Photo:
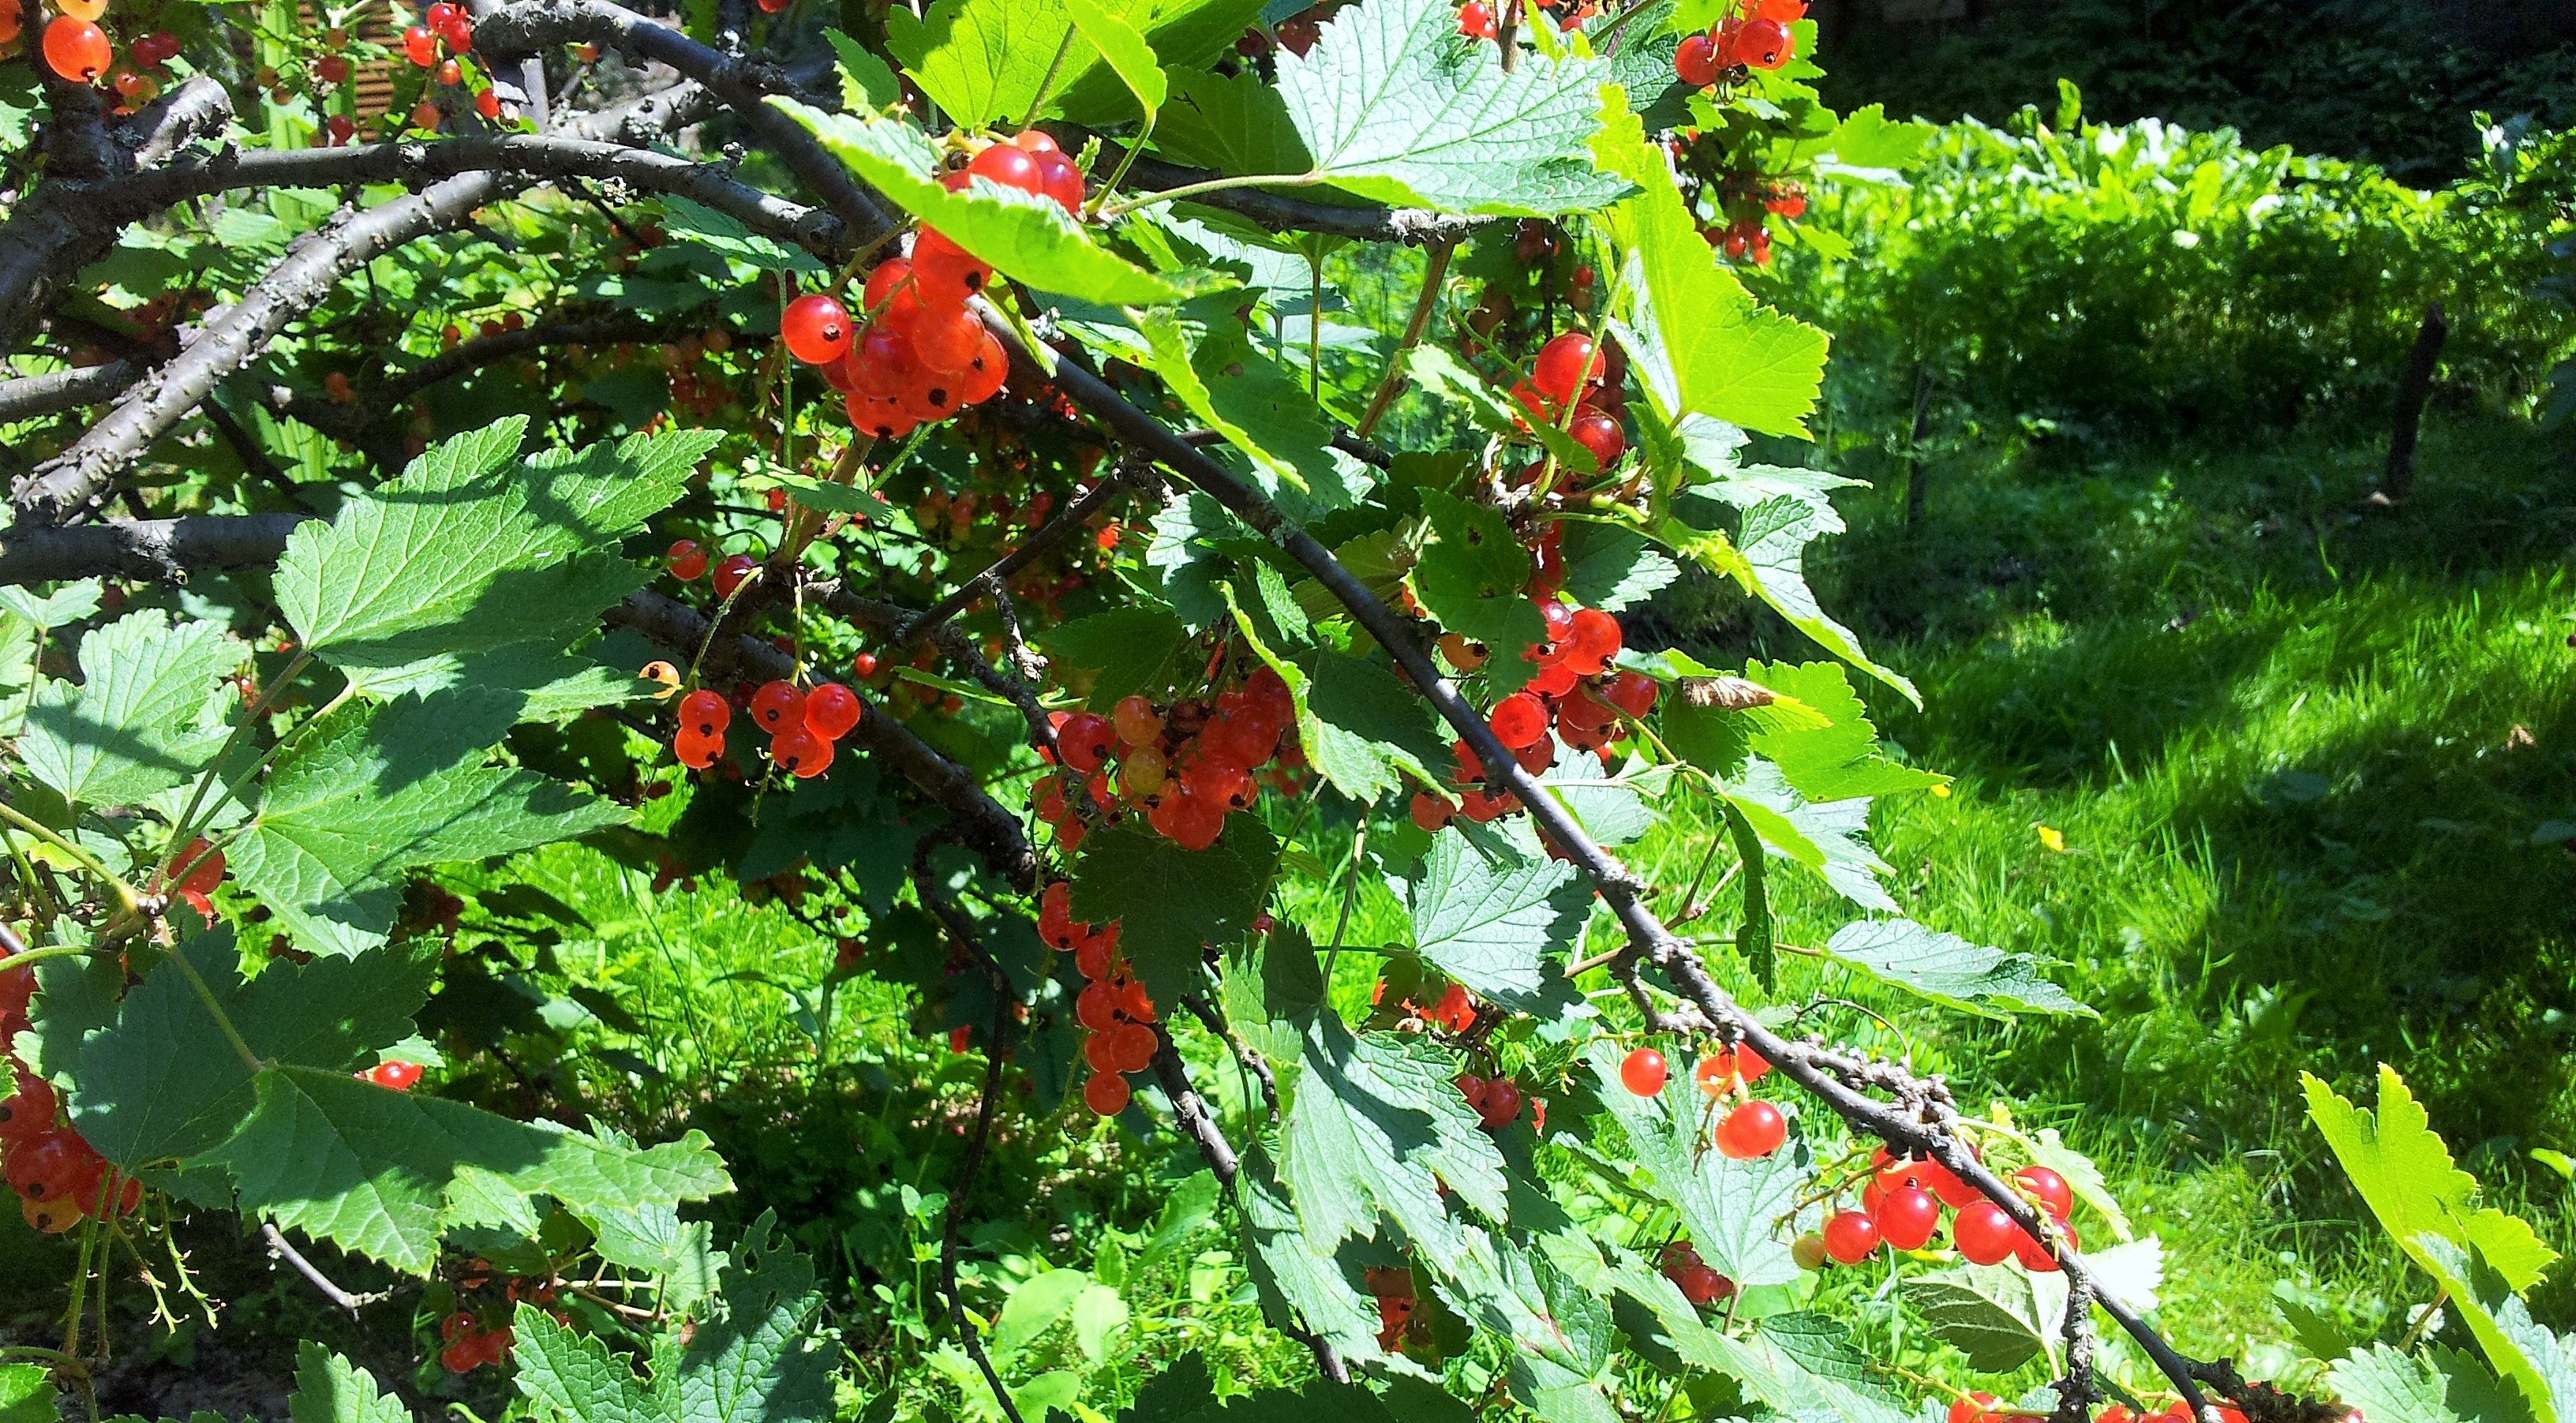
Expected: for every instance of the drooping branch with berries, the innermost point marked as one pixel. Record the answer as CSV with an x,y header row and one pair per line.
x,y
997,374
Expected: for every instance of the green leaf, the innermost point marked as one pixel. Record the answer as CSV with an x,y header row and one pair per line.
x,y
1495,918
1557,1337
1377,1126
383,1173
473,550
1611,807
1872,148
982,61
724,234
369,792
146,717
1470,579
2404,1171
27,1395
1442,375
866,79
1184,1392
1360,727
1396,106
1231,123
2390,1387
1697,339
1773,540
1299,1284
70,603
1208,363
330,1389
2082,1177
681,1254
1134,648
1840,759
2000,1316
1801,1364
1126,51
569,1376
1173,903
1949,970
1830,839
1610,568
2540,1365
161,1082
1740,1215
1022,235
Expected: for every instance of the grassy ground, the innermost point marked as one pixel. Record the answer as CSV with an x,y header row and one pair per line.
x,y
2314,767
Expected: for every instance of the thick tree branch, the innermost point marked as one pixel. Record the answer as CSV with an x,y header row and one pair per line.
x,y
159,550
1367,222
1921,1122
30,396
742,85
74,481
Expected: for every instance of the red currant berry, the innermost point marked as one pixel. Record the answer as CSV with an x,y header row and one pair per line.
x,y
1984,1233
1696,61
398,1075
697,750
946,273
730,573
1106,1093
1907,1216
949,341
1850,1237
1085,740
1595,639
800,752
1755,1129
816,329
1476,20
449,72
687,561
203,865
1601,435
1500,1105
891,295
1973,1409
778,706
420,46
27,1112
1011,166
864,666
2048,1188
831,710
1519,721
1036,140
1644,1072
705,712
1060,178
1764,43
1565,365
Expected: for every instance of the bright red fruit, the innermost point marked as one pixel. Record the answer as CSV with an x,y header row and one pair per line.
x,y
1601,435
27,1111
1752,1130
945,273
730,573
864,666
2048,1188
816,329
450,72
1703,1285
1476,20
1500,1104
1106,1093
1564,366
420,46
1644,1072
705,712
1011,166
778,706
397,1075
1907,1216
77,50
1851,1237
1983,1233
687,561
1764,43
800,752
1519,720
1060,178
203,865
831,710
1696,61
1973,1409
1085,740
949,341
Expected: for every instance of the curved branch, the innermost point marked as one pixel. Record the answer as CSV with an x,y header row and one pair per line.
x,y
1920,1123
30,396
76,479
741,84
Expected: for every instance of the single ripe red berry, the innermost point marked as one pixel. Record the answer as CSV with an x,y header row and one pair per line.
x,y
1519,720
1601,435
1850,1237
1907,1216
831,710
686,560
729,574
27,1111
2048,1188
397,1075
1011,166
1036,140
816,329
800,752
1594,639
777,706
1984,1233
948,341
1060,178
1644,1072
891,295
488,104
945,273
1106,1093
1500,1104
864,666
1764,43
1696,61
1476,20
449,72
1752,1130
705,712
202,864
420,46
1973,1409
1085,740
77,50
696,749
330,68
1564,366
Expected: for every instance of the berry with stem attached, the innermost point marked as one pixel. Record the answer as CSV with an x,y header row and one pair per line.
x,y
1754,1129
1644,1072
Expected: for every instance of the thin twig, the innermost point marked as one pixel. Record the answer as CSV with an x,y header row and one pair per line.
x,y
278,1246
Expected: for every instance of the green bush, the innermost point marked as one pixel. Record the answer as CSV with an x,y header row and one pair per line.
x,y
2144,280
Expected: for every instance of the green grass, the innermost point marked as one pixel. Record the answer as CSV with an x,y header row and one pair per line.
x,y
2312,764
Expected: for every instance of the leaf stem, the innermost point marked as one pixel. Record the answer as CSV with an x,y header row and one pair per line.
x,y
1435,271
47,954
1125,160
206,995
1113,211
268,695
126,893
1350,893
1055,67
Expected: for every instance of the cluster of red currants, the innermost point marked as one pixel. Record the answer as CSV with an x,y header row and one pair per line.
x,y
1982,1408
1476,17
198,868
1394,1291
803,726
1572,369
1186,766
1752,1128
78,51
58,1176
445,35
1698,1283
921,355
1113,1006
1496,1100
1902,1205
1757,37
469,1346
688,563
1576,699
1741,238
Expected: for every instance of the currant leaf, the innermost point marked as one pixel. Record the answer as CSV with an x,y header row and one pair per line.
x,y
1172,903
1495,916
147,716
1949,970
